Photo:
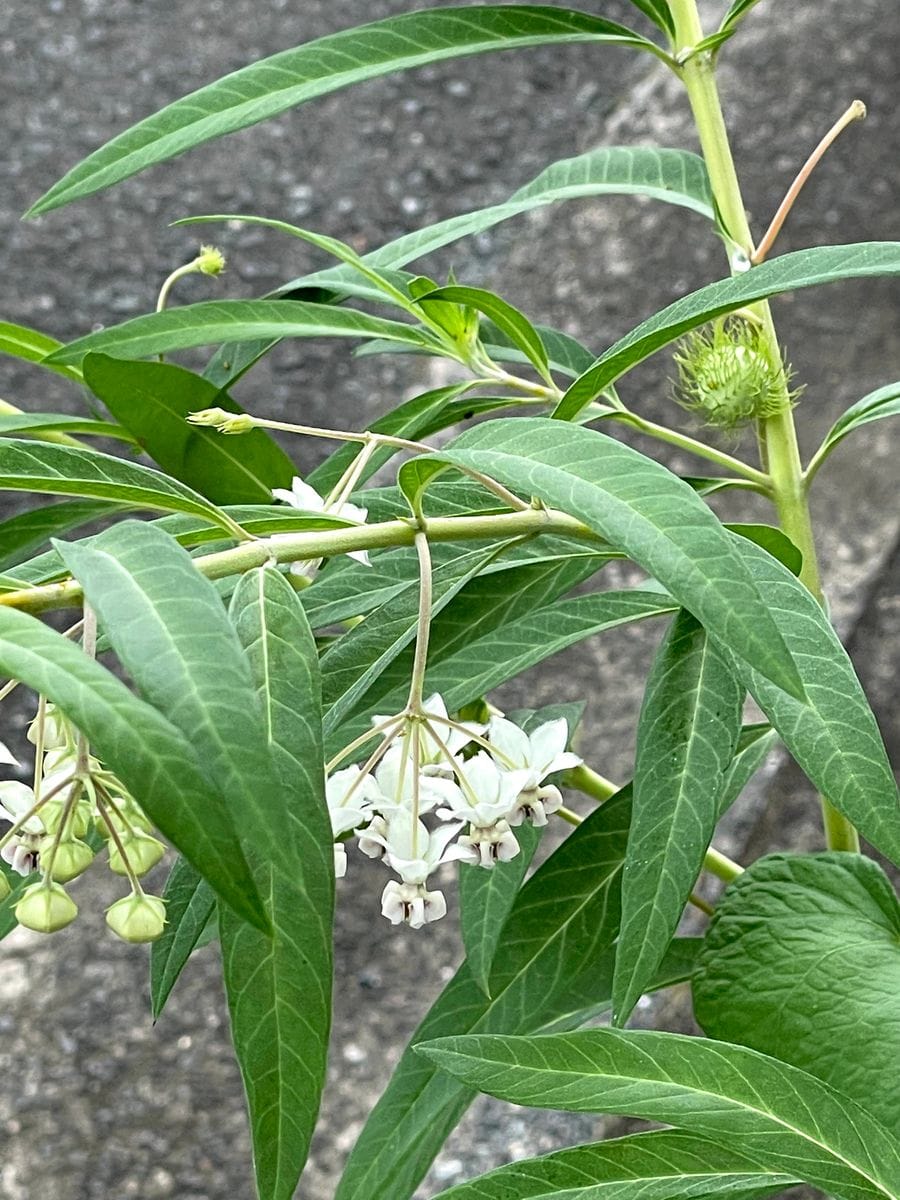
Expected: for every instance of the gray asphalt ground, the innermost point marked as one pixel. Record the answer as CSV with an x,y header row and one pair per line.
x,y
96,1103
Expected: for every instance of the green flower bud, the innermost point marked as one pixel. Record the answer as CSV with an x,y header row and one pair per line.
x,y
727,377
79,822
71,858
142,851
137,918
5,889
46,907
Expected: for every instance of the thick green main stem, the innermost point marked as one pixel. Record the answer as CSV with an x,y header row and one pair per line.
x,y
778,435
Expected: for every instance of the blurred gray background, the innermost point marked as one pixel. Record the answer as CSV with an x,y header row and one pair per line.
x,y
96,1102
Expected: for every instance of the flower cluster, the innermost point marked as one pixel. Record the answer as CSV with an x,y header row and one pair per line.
x,y
57,827
438,790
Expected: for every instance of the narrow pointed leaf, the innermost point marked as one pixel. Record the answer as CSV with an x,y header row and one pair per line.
x,y
736,14
24,534
485,901
781,1117
152,758
279,988
834,737
32,346
885,402
284,80
37,424
214,321
801,269
510,320
801,961
646,1166
754,746
168,628
190,902
688,729
66,471
659,13
153,399
640,508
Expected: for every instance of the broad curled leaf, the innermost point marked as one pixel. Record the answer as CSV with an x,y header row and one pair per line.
x,y
152,400
802,961
781,1117
284,80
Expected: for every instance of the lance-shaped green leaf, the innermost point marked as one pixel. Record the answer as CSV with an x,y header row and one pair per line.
x,y
783,1118
834,736
885,402
801,269
687,732
736,14
486,662
659,13
33,346
646,1166
675,176
214,321
563,922
152,757
567,356
510,320
168,628
190,902
279,988
486,899
37,424
284,80
755,744
361,655
23,534
153,399
801,961
640,508
67,471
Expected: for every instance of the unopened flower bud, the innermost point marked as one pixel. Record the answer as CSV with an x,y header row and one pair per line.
x,y
79,819
142,851
137,918
56,729
70,860
46,907
210,260
225,422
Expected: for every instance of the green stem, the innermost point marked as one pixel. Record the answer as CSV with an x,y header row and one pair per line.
x,y
286,548
777,434
759,479
721,866
590,783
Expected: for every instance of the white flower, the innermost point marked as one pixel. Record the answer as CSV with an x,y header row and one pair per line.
x,y
432,757
349,801
56,729
340,860
301,495
395,784
488,793
539,755
485,847
21,850
411,849
7,757
411,903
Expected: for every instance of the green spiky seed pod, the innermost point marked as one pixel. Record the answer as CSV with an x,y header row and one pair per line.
x,y
726,376
46,907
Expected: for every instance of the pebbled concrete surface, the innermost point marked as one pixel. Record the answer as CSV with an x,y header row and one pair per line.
x,y
96,1101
